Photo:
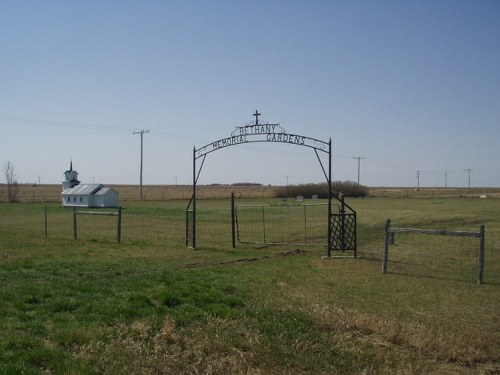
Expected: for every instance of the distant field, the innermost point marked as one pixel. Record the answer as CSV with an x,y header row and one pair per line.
x,y
152,306
434,192
51,193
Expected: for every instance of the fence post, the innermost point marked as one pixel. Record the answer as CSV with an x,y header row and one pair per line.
x,y
75,230
481,254
305,225
233,221
264,225
386,248
46,227
120,224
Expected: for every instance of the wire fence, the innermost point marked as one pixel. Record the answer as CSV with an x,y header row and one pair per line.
x,y
27,222
439,257
433,257
304,225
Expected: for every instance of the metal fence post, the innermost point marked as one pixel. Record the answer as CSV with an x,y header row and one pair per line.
x,y
46,227
481,254
75,230
264,225
386,248
342,222
233,221
119,224
305,225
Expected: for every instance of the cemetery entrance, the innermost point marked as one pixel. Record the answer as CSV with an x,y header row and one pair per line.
x,y
341,219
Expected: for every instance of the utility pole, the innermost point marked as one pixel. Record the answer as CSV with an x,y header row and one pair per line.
x,y
469,170
359,158
142,134
445,179
418,180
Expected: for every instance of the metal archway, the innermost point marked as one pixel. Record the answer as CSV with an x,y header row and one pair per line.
x,y
274,133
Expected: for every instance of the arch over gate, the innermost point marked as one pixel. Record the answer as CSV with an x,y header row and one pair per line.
x,y
340,235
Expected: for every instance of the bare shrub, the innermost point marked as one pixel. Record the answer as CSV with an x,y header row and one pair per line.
x,y
347,188
11,182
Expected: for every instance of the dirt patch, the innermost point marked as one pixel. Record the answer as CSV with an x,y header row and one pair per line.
x,y
242,260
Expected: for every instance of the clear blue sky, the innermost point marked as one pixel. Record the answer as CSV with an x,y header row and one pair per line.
x,y
410,85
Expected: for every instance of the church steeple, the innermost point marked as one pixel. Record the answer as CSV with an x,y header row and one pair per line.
x,y
71,177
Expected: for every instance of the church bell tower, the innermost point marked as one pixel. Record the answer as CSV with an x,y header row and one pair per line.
x,y
71,177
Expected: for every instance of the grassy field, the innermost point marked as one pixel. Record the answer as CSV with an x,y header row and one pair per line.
x,y
152,306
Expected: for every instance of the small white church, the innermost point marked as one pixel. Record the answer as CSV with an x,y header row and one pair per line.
x,y
75,194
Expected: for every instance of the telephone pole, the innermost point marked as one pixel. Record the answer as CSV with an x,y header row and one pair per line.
x,y
359,158
142,134
445,179
418,180
469,170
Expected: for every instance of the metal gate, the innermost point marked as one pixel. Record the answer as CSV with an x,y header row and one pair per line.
x,y
190,230
343,229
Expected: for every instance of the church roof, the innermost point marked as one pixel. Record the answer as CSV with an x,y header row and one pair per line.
x,y
104,190
83,189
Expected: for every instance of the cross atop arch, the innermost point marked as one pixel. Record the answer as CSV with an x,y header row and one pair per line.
x,y
256,114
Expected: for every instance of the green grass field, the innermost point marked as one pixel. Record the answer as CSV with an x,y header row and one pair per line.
x,y
151,306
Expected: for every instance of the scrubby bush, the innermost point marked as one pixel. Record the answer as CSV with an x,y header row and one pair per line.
x,y
348,188
246,184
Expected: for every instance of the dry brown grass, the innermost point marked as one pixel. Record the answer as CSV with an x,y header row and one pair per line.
x,y
152,348
232,346
447,350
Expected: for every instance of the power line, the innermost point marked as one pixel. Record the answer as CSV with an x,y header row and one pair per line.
x,y
27,121
60,124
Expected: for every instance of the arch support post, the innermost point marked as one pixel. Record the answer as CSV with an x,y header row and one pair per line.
x,y
193,234
330,195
